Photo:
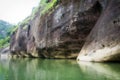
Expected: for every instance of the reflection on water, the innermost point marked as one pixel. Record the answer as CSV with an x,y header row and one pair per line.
x,y
37,69
100,71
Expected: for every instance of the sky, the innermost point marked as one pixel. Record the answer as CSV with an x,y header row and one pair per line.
x,y
14,11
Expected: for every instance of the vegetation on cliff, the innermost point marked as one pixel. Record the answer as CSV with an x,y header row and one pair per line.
x,y
44,7
6,30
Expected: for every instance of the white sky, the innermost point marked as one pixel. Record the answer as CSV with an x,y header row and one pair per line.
x,y
14,11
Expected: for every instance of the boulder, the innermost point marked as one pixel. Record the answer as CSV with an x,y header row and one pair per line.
x,y
103,42
5,53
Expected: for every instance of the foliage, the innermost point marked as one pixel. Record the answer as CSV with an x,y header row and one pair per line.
x,y
6,30
4,42
4,25
46,6
13,29
25,21
25,27
43,7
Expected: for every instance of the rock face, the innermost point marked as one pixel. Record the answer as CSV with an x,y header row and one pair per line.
x,y
5,50
103,43
62,32
18,42
5,53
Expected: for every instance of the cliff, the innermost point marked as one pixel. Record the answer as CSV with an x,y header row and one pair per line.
x,y
62,31
103,42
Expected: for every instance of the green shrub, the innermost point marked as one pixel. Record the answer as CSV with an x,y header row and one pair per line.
x,y
47,6
43,6
4,42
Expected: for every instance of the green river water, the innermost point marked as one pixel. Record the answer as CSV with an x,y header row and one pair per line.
x,y
38,69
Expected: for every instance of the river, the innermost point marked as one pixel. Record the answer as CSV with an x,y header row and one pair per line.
x,y
43,69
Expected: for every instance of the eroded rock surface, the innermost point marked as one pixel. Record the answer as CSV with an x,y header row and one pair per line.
x,y
63,30
103,43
